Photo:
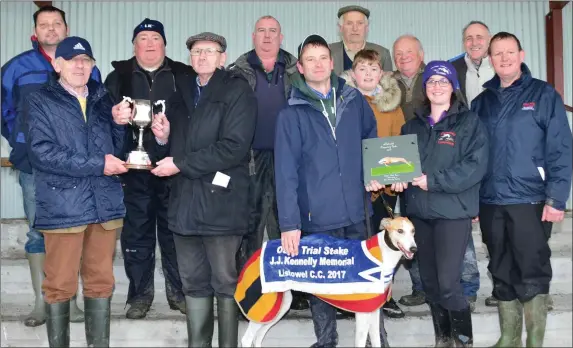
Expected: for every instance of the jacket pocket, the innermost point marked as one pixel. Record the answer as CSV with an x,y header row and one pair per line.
x,y
64,183
220,208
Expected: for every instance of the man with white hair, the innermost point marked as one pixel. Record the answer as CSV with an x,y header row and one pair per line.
x,y
73,143
353,26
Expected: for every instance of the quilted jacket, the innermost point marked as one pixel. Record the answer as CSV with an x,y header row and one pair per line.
x,y
67,154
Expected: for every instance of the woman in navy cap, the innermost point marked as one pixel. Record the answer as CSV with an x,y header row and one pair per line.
x,y
453,147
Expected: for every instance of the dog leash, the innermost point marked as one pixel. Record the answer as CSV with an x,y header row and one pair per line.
x,y
387,206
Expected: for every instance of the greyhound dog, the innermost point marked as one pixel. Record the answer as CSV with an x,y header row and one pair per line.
x,y
391,160
395,240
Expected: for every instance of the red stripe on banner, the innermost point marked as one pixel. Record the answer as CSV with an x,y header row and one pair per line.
x,y
249,262
372,242
361,306
275,310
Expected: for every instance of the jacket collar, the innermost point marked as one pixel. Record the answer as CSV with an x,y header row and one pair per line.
x,y
389,95
522,81
451,117
130,65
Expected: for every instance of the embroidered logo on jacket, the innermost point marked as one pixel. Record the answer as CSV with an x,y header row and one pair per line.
x,y
448,138
528,106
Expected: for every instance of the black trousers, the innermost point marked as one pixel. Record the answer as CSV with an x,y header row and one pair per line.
x,y
323,314
263,206
207,265
519,253
441,248
146,199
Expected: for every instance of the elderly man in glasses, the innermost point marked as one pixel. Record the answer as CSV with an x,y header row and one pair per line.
x,y
213,118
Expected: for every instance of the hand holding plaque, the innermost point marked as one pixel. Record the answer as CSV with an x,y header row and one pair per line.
x,y
142,117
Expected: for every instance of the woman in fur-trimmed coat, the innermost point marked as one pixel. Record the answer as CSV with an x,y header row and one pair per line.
x,y
383,94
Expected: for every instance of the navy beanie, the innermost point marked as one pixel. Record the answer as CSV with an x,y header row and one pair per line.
x,y
150,25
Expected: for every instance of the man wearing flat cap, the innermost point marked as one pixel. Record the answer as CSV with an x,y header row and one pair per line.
x,y
74,144
213,118
148,75
353,27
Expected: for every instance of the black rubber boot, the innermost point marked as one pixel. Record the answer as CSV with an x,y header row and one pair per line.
x,y
58,324
461,323
442,326
227,321
97,312
200,321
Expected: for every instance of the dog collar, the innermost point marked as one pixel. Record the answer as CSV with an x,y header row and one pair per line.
x,y
389,242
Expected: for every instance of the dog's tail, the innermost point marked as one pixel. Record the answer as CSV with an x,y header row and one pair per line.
x,y
256,306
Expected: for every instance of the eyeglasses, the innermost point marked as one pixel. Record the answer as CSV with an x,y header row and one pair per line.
x,y
208,51
441,83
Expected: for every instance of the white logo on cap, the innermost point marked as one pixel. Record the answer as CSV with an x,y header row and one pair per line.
x,y
79,46
148,25
442,69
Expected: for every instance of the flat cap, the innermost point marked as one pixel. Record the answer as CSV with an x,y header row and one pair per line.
x,y
207,36
351,8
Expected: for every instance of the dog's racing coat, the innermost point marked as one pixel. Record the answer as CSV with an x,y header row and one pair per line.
x,y
263,307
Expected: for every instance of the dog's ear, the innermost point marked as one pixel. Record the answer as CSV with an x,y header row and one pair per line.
x,y
385,224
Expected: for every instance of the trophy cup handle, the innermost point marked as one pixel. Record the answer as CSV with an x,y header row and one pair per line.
x,y
131,104
162,103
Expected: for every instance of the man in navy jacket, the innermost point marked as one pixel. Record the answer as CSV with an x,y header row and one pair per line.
x,y
73,144
318,163
525,188
22,75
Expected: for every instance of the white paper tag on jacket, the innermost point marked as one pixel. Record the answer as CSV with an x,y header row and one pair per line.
x,y
221,179
541,172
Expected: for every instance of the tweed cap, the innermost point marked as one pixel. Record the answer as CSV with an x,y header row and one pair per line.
x,y
207,36
351,8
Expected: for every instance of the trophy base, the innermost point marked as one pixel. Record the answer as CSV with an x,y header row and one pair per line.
x,y
139,166
138,160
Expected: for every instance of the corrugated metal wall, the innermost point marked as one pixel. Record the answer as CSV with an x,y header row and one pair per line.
x,y
109,25
16,28
568,66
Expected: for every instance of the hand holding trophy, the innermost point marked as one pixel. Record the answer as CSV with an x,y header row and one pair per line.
x,y
142,117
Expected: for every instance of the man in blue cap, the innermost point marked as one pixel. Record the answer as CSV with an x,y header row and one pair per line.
x,y
50,28
73,145
148,75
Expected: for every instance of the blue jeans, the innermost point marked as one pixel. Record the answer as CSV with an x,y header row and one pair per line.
x,y
470,272
35,242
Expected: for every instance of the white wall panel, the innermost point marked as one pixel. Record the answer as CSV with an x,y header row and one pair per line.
x,y
109,25
568,67
17,27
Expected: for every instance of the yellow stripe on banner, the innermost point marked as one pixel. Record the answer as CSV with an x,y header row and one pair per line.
x,y
377,253
349,297
251,274
263,306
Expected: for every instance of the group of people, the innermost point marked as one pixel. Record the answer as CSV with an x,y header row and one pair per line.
x,y
273,142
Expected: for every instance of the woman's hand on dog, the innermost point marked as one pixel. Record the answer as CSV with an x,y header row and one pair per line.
x,y
290,241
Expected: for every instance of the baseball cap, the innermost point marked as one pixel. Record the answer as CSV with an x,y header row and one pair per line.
x,y
312,39
73,46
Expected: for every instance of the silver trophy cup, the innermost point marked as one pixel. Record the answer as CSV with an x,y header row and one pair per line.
x,y
142,117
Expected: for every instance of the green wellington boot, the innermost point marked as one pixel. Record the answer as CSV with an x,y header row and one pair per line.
x,y
227,321
58,324
535,311
510,323
200,321
97,323
38,315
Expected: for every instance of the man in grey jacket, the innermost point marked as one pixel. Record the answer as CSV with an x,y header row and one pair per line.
x,y
268,69
353,27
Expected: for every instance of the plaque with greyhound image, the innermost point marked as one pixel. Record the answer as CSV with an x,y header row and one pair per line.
x,y
391,159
